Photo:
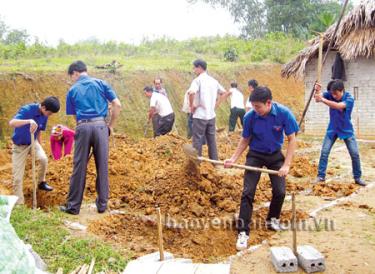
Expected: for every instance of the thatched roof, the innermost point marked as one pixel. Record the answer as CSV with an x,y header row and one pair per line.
x,y
355,37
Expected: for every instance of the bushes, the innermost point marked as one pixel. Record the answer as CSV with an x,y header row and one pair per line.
x,y
274,47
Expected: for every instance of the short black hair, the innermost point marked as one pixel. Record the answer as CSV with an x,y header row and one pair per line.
x,y
261,94
233,84
200,63
148,89
329,85
253,83
337,85
78,66
51,103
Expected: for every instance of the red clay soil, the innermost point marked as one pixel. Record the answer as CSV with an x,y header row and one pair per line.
x,y
334,189
157,172
203,240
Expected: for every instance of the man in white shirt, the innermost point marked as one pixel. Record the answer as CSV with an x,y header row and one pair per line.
x,y
160,107
203,99
252,84
237,109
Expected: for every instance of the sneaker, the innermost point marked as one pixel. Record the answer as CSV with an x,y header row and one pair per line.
x,y
44,186
360,182
274,224
319,180
242,241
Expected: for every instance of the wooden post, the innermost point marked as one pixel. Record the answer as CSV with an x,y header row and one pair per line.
x,y
35,204
160,235
294,227
320,59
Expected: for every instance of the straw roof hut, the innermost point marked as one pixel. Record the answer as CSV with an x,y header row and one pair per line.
x,y
355,41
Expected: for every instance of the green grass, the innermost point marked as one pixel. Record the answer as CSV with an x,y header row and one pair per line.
x,y
58,248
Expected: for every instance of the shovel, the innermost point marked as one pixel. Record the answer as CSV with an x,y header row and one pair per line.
x,y
192,153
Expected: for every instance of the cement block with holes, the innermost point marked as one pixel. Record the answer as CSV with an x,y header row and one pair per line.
x,y
310,259
283,259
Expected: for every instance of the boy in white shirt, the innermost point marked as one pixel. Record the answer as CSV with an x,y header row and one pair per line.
x,y
237,109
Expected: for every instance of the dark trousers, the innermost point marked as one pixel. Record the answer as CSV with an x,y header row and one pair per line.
x,y
205,130
273,161
235,113
189,125
89,135
164,124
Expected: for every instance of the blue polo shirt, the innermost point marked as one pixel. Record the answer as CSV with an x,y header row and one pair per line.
x,y
21,135
88,98
340,123
266,133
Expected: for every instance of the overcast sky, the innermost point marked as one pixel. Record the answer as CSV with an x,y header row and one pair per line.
x,y
120,20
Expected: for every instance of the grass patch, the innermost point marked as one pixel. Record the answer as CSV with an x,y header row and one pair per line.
x,y
53,242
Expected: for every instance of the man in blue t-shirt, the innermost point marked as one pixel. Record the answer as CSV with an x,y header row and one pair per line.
x,y
340,105
263,132
30,119
88,101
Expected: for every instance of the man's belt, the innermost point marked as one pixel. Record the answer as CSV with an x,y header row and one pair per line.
x,y
96,119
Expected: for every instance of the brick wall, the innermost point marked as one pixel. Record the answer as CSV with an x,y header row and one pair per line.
x,y
360,73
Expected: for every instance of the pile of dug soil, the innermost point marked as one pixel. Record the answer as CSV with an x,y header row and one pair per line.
x,y
334,189
203,240
154,172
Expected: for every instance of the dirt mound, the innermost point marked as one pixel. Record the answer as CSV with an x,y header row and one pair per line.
x,y
157,172
203,239
334,189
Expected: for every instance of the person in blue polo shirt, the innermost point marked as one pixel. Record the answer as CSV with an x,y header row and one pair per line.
x,y
263,132
340,105
88,100
31,118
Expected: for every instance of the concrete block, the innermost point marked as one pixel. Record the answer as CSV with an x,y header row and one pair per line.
x,y
155,257
310,259
283,259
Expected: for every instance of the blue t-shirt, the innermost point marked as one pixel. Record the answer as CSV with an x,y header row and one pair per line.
x,y
267,133
21,135
88,98
340,123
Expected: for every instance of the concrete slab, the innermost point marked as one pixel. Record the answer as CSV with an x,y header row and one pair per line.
x,y
155,257
213,269
176,267
137,267
283,259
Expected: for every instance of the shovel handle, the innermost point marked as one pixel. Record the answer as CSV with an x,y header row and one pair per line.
x,y
269,171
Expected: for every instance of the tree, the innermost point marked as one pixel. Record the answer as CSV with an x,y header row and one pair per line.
x,y
16,37
3,29
296,17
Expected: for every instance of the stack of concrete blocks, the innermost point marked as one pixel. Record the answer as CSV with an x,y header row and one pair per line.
x,y
310,259
151,264
283,259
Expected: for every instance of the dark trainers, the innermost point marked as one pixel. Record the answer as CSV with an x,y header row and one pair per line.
x,y
360,182
319,180
67,210
44,186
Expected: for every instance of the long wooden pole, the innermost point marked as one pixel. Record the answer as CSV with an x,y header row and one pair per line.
x,y
35,203
324,60
160,235
294,226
